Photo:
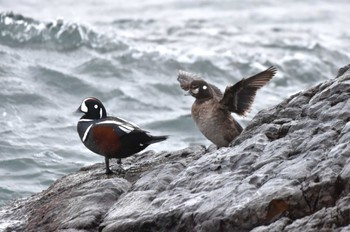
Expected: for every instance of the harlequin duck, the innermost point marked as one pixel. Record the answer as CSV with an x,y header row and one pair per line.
x,y
212,109
110,137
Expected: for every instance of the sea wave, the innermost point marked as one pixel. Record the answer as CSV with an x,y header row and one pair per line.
x,y
17,30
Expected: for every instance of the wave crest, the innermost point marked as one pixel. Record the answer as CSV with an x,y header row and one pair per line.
x,y
17,30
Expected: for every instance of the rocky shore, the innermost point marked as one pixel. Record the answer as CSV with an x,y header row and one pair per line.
x,y
288,171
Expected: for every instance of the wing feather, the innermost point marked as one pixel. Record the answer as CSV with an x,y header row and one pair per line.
x,y
240,97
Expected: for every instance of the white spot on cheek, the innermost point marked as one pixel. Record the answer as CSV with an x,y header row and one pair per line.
x,y
205,87
83,107
96,106
195,91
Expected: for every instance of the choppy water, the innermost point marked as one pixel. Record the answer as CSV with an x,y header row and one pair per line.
x,y
126,53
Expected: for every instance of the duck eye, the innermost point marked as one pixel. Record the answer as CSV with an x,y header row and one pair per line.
x,y
95,106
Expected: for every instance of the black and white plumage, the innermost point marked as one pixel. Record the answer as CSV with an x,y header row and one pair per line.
x,y
110,137
212,109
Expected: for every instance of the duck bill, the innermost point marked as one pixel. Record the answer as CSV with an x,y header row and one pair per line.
x,y
78,111
188,93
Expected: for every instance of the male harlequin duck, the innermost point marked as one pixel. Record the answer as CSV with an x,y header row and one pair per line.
x,y
212,110
110,137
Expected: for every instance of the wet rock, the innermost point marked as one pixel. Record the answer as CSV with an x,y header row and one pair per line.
x,y
288,171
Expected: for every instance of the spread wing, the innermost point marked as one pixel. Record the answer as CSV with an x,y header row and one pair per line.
x,y
186,78
239,97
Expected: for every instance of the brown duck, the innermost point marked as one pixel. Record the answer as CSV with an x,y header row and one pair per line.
x,y
212,110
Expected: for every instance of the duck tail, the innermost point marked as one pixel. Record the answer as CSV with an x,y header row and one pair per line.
x,y
156,139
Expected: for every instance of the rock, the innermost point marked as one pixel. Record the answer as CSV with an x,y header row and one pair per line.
x,y
288,171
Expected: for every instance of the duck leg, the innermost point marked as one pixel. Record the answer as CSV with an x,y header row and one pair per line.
x,y
108,171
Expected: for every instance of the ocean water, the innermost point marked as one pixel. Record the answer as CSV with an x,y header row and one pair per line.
x,y
127,53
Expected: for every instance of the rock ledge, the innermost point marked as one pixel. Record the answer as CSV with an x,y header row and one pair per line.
x,y
288,171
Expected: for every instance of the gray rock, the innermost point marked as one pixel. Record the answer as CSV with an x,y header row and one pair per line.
x,y
288,171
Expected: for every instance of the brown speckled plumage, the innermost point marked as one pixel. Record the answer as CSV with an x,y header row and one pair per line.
x,y
211,110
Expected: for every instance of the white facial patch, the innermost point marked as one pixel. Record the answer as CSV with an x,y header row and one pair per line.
x,y
83,106
95,106
204,87
195,91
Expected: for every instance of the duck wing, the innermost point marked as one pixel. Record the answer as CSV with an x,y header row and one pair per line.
x,y
239,98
